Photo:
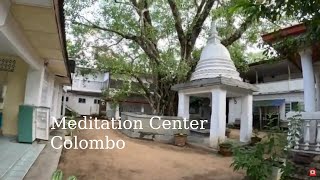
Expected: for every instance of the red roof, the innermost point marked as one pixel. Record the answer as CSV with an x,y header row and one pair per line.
x,y
294,30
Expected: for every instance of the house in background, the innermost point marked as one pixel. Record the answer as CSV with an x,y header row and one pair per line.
x,y
90,94
34,66
280,86
85,96
133,103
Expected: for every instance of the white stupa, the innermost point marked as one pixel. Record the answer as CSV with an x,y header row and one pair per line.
x,y
216,77
215,60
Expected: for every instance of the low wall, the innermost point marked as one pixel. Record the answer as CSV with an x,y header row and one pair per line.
x,y
160,135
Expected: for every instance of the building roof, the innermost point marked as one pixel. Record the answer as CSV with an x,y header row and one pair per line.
x,y
295,31
60,18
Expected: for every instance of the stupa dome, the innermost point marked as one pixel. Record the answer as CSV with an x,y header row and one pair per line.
x,y
215,60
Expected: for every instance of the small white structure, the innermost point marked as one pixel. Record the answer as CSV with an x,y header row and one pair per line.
x,y
85,95
216,77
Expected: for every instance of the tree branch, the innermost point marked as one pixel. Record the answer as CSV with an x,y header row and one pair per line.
x,y
94,26
178,26
195,29
238,33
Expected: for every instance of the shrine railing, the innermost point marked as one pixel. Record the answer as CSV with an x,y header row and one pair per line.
x,y
309,132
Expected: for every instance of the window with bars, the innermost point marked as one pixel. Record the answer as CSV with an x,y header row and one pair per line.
x,y
294,106
96,101
82,100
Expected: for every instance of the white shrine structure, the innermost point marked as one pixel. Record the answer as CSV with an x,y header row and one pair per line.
x,y
216,77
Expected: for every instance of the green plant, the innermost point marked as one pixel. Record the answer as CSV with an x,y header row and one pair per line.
x,y
72,178
58,175
226,144
259,160
74,114
252,160
294,131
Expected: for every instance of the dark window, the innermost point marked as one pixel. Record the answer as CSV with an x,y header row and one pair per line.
x,y
67,99
295,106
288,107
96,101
82,100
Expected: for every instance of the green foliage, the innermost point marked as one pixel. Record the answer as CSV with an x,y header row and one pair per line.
x,y
294,131
160,40
259,160
252,160
272,151
283,14
58,175
72,178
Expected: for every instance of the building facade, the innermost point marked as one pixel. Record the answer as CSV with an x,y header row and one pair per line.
x,y
280,86
85,96
34,64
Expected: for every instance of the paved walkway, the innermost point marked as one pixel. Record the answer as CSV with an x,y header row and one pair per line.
x,y
47,162
16,158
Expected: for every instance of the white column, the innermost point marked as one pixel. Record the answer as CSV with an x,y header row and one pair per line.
x,y
34,87
218,117
231,114
142,108
59,105
246,118
183,105
109,111
283,111
317,76
308,80
117,112
64,103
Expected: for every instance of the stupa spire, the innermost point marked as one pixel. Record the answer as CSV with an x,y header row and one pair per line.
x,y
214,35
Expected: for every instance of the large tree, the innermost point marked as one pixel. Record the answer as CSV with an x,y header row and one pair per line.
x,y
153,42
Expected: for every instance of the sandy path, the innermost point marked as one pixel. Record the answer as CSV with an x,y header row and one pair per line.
x,y
143,160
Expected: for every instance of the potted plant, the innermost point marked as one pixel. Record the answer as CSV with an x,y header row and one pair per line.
x,y
180,139
228,131
225,149
255,138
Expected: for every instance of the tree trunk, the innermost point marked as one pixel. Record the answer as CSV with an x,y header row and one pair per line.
x,y
165,105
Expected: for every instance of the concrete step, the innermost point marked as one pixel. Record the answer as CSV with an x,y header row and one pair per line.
x,y
20,168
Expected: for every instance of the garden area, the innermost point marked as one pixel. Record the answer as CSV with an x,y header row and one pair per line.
x,y
143,160
163,54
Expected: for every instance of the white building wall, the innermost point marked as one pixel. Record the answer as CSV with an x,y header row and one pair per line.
x,y
87,108
280,86
234,110
56,101
289,90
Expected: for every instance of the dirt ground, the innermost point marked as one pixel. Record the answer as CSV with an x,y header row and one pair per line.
x,y
143,160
